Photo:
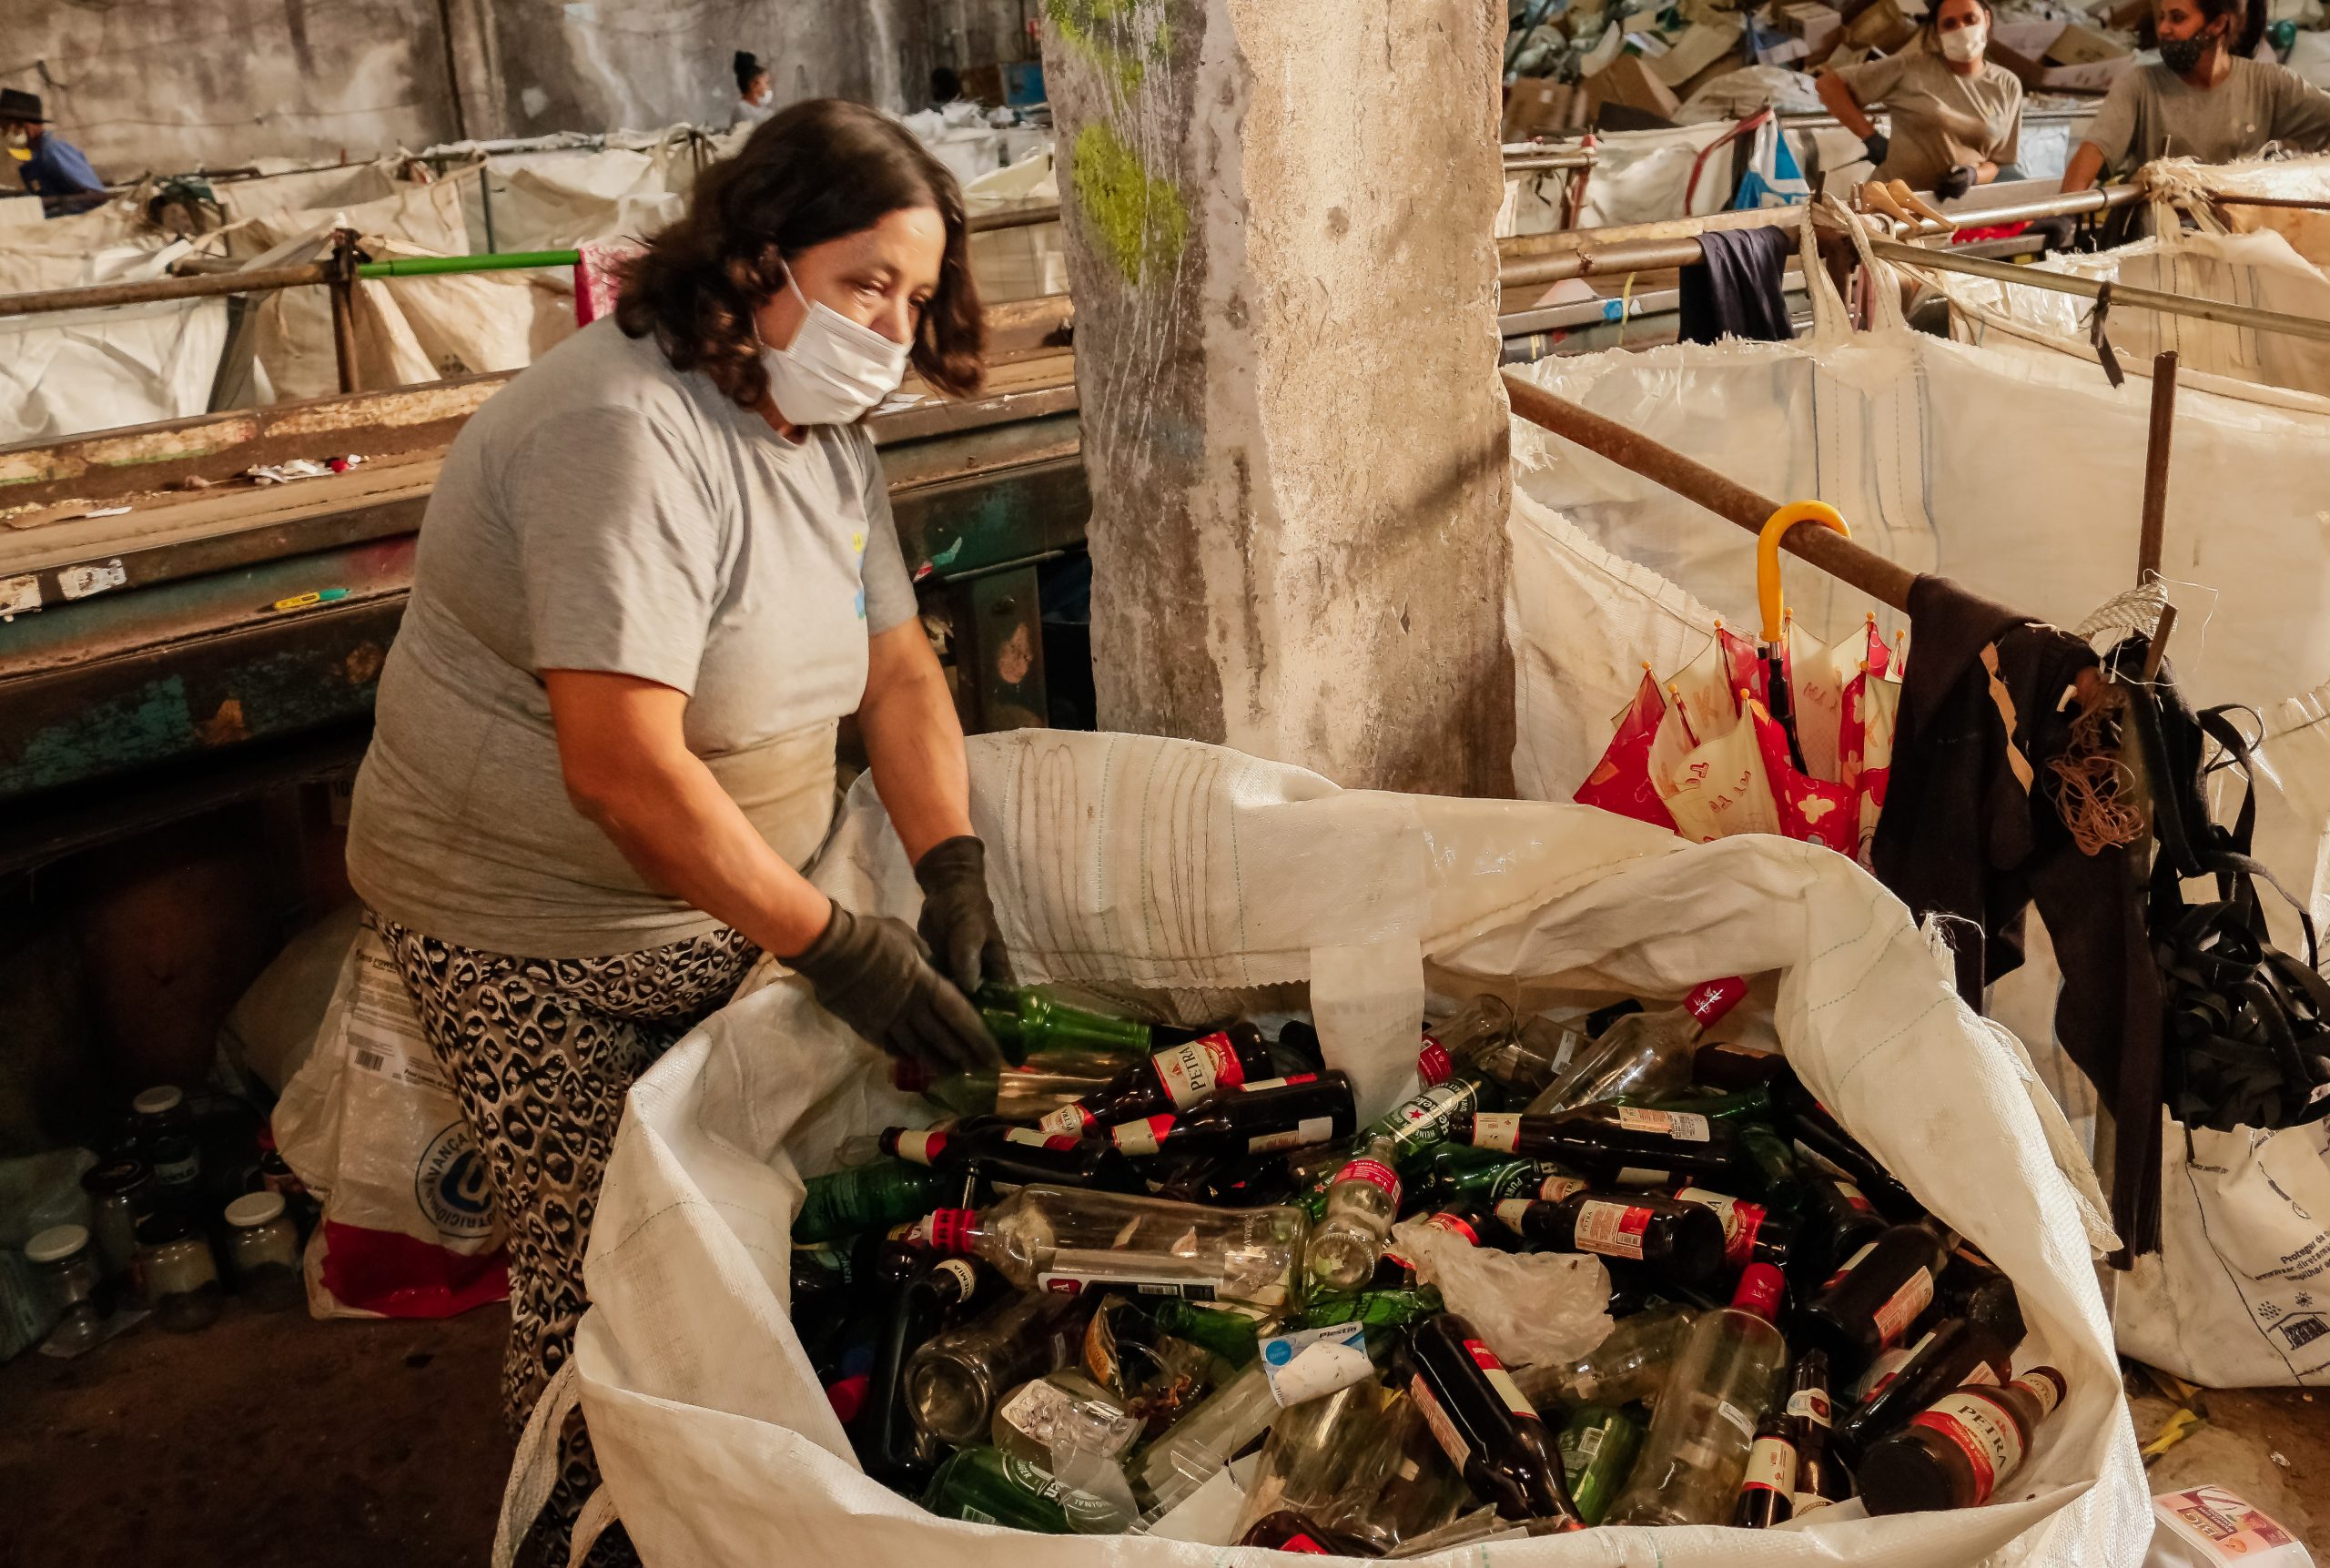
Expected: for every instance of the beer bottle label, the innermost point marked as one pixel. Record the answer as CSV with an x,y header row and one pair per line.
x,y
1256,1086
1709,1002
1035,1138
1512,1212
1195,1068
1310,1132
1682,1126
1901,1309
920,1148
1981,1429
1496,1129
1888,1366
1142,1137
1772,1466
1809,1405
966,1278
1302,1543
1613,1229
1376,1173
1452,1442
1580,1450
1070,1120
1851,1264
1500,1379
1741,1221
1455,1225
1553,1189
2045,1385
1637,1176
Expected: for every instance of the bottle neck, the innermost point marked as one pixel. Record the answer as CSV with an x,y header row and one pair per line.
x,y
953,1230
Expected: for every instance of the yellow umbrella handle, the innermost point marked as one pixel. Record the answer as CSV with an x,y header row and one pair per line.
x,y
1768,554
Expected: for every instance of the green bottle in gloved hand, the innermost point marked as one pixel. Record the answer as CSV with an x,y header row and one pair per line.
x,y
1028,1021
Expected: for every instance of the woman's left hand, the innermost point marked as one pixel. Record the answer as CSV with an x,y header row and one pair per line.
x,y
957,916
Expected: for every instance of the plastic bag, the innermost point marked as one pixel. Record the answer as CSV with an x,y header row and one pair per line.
x,y
371,1124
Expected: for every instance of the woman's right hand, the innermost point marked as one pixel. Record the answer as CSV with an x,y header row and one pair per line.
x,y
874,974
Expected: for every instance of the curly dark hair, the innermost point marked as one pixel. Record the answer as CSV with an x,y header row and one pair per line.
x,y
821,170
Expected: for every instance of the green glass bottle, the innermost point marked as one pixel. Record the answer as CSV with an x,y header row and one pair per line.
x,y
1416,1125
1385,1309
870,1197
988,1486
1598,1446
1775,1164
1454,1175
1028,1021
1227,1331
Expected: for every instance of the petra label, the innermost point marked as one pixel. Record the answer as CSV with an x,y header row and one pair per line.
x,y
1496,1129
1682,1126
1982,1430
1500,1379
1194,1069
1142,1137
1069,1120
1613,1229
1901,1309
1035,1138
1312,1131
1452,1442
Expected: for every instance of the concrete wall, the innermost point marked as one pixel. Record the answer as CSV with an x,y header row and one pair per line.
x,y
170,84
182,84
981,32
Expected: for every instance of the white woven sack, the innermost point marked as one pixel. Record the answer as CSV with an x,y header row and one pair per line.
x,y
2239,1295
1201,872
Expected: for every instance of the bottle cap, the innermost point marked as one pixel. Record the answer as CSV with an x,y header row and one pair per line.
x,y
157,1101
1760,1288
55,1244
950,1228
848,1396
254,1209
1709,1002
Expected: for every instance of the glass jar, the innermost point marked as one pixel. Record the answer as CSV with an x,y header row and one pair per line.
x,y
179,1274
121,1193
68,1282
263,1250
161,1109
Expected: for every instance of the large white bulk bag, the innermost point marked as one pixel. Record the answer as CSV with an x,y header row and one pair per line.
x,y
1216,879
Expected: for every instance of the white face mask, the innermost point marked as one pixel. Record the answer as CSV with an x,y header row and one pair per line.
x,y
1966,44
836,371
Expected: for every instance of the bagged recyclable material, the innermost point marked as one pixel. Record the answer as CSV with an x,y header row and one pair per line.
x,y
371,1124
1219,884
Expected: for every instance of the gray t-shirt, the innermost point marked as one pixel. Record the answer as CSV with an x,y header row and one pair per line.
x,y
605,511
1939,119
2152,112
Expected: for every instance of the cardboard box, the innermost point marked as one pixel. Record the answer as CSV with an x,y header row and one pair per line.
x,y
1628,82
1537,106
1882,25
2078,45
2067,60
1704,44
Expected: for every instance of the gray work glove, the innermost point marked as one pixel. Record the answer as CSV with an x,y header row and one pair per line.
x,y
874,974
957,918
1876,145
1955,182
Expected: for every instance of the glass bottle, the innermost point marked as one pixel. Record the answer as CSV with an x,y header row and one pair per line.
x,y
69,1288
1820,1477
1840,1220
1705,1423
263,1252
1869,1304
1171,1079
1058,1239
1485,1424
1743,1106
1728,1066
891,1440
1227,1331
1048,1081
988,1486
1030,1020
1822,1140
121,1193
1647,1056
1361,1206
1954,1352
954,1379
1630,1146
177,1272
1674,1239
1751,1232
1266,1115
1007,1152
1421,1122
1393,1308
1323,1456
1288,1530
1629,1365
1767,1484
1459,1173
874,1197
1195,1448
1958,1451
1598,1446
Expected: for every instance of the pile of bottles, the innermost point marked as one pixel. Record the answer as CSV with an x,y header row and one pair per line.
x,y
1147,1253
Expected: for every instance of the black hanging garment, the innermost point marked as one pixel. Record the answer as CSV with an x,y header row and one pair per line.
x,y
1736,291
1971,829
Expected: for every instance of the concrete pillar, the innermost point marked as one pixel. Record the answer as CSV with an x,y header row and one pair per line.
x,y
1280,219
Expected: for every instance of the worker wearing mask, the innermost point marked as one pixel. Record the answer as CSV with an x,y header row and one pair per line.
x,y
657,569
755,96
53,168
1956,116
2206,99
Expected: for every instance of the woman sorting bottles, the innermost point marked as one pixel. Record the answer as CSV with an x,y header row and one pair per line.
x,y
657,569
1956,116
2206,99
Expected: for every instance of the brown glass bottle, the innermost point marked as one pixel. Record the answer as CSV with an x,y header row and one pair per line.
x,y
1672,1238
1173,1079
1820,1477
1011,1154
1958,1450
1767,1492
1956,1351
1869,1303
1287,1530
1267,1116
1486,1426
1629,1145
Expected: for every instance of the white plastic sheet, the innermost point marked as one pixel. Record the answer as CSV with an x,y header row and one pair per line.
x,y
1218,879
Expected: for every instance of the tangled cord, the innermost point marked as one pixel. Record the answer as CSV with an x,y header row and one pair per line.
x,y
2092,785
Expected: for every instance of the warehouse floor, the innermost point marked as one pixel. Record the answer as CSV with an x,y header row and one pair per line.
x,y
266,1441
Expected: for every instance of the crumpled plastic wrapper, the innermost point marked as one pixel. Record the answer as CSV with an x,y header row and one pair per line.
x,y
1530,1308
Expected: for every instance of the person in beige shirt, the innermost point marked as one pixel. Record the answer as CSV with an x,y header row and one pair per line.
x,y
1956,116
2206,99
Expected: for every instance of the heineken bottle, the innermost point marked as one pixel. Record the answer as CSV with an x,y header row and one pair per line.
x,y
1386,1308
870,1198
988,1486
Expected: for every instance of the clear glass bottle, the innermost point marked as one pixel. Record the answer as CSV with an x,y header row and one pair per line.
x,y
1361,1203
68,1282
953,1380
1193,1449
263,1252
1645,1056
1056,1239
1700,1434
177,1272
121,1192
1631,1363
1324,1458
